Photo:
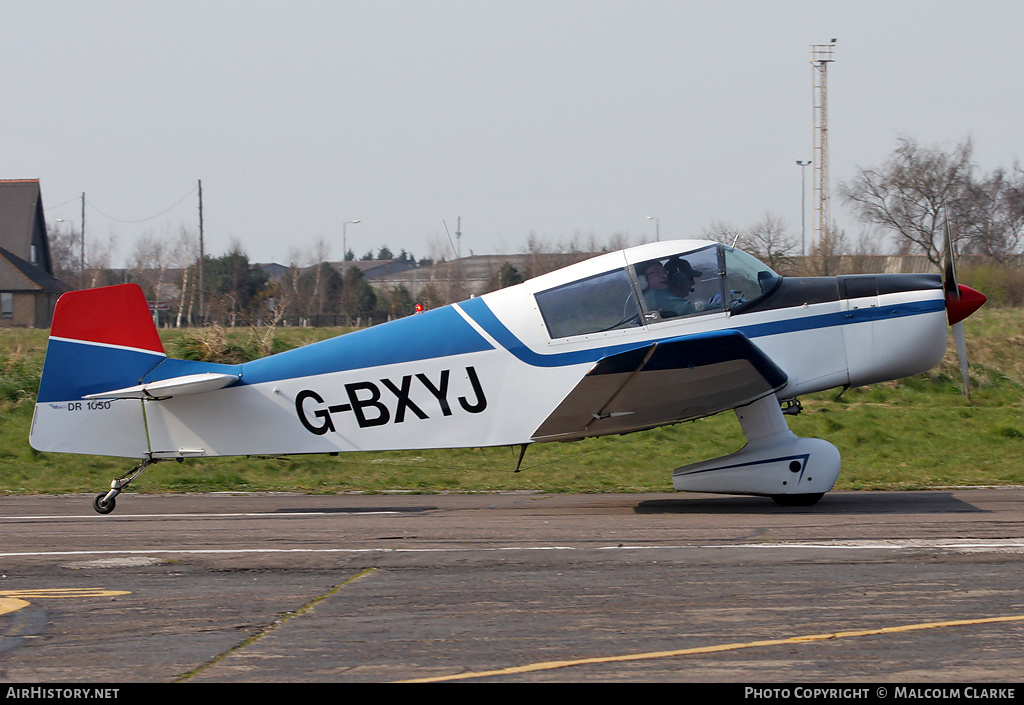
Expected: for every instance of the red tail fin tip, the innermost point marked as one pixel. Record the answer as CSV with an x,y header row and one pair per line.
x,y
112,315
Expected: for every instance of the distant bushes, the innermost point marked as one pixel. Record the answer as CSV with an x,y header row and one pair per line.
x,y
19,376
214,345
1002,284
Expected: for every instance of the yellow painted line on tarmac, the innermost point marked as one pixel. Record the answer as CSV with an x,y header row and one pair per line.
x,y
56,593
11,604
14,600
551,665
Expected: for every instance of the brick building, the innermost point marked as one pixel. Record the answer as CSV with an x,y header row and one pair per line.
x,y
28,289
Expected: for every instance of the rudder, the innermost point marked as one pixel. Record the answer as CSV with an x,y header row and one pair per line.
x,y
101,339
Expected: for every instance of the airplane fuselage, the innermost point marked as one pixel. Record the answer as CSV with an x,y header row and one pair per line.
x,y
498,369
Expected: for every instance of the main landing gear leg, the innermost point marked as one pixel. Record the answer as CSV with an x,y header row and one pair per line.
x,y
104,502
793,471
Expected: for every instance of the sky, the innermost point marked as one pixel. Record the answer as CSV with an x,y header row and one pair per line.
x,y
558,119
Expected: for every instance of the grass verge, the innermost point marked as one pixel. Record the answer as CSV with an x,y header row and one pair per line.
x,y
913,434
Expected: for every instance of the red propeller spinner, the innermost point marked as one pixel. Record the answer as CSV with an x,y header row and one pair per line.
x,y
963,303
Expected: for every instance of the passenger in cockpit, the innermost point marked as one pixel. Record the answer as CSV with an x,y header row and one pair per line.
x,y
666,291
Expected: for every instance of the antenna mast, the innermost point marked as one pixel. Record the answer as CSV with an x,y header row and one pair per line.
x,y
83,240
202,261
821,57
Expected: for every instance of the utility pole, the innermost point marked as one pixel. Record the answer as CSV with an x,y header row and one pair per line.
x,y
458,238
821,57
202,260
83,240
803,204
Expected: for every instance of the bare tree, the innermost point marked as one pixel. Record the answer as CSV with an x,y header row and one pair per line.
x,y
98,255
992,214
65,254
826,253
722,232
768,240
319,255
909,193
289,291
862,252
185,255
150,263
538,256
618,241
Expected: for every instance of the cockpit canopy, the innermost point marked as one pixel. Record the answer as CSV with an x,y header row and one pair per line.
x,y
709,279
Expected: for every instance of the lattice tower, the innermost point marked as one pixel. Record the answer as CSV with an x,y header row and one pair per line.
x,y
821,56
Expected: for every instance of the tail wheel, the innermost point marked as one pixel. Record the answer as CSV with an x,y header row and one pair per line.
x,y
103,505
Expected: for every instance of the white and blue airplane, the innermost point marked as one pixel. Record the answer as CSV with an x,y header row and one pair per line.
x,y
652,335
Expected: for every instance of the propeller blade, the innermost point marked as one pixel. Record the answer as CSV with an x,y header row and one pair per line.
x,y
961,302
961,353
949,282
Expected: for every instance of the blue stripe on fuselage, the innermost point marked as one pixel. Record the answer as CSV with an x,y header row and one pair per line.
x,y
842,318
478,310
438,333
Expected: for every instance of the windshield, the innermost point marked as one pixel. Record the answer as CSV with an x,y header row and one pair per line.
x,y
746,278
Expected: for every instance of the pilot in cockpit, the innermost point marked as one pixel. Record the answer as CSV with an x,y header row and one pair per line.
x,y
667,287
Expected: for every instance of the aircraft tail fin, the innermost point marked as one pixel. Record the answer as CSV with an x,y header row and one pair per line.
x,y
100,339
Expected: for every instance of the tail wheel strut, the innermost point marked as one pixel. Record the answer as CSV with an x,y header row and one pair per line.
x,y
104,502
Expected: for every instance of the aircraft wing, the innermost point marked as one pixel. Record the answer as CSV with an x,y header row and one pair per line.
x,y
664,382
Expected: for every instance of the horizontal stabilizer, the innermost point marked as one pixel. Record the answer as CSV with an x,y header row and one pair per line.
x,y
174,387
665,382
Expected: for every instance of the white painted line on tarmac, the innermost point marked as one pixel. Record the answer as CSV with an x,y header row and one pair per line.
x,y
262,515
1012,545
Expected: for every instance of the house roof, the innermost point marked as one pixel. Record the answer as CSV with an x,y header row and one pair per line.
x,y
18,275
20,206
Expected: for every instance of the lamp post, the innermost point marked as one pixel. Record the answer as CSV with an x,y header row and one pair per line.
x,y
344,238
803,204
657,227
